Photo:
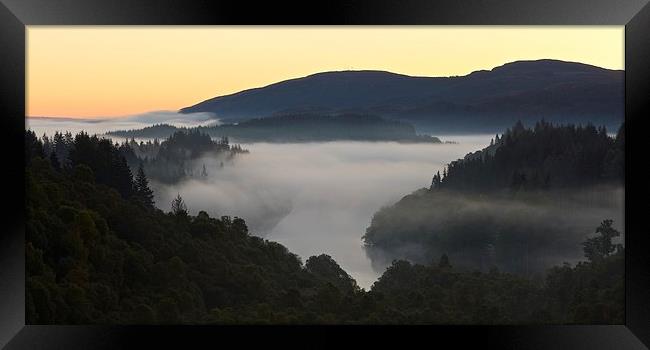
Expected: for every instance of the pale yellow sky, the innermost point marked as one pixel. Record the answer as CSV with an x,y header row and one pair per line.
x,y
107,71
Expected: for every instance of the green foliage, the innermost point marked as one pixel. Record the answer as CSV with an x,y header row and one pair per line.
x,y
96,257
589,293
326,269
33,147
177,156
142,191
106,162
599,247
533,193
544,157
178,206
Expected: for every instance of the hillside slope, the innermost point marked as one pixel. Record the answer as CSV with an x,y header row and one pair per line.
x,y
483,100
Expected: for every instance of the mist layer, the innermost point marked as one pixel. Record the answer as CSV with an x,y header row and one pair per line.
x,y
316,197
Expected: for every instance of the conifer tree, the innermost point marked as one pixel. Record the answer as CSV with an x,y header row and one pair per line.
x,y
143,192
178,206
601,246
54,160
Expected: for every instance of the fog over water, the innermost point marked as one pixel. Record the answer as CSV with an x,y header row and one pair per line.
x,y
312,197
317,197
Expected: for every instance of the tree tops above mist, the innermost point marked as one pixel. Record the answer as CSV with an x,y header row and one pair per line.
x,y
156,131
174,158
543,157
97,256
181,145
94,160
179,156
528,198
301,127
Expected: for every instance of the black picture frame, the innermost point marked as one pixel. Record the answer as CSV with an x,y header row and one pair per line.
x,y
634,14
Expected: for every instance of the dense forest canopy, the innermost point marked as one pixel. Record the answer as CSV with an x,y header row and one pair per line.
x,y
176,157
303,127
180,155
543,157
522,204
97,251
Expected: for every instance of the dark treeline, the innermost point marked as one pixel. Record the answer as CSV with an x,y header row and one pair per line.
x,y
522,205
168,161
178,156
160,131
301,128
543,157
98,254
95,255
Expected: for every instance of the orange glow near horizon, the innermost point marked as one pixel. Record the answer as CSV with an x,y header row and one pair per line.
x,y
108,71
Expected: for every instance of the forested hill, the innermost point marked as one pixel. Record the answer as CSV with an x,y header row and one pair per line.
x,y
303,127
486,100
522,204
543,157
98,252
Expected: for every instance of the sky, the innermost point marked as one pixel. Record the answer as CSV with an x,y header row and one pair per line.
x,y
113,71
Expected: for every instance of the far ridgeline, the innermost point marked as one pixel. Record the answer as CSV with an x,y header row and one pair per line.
x,y
304,127
479,102
98,252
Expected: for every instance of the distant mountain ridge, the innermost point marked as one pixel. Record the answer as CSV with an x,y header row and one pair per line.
x,y
487,99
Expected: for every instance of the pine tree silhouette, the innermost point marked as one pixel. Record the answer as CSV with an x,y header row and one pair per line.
x,y
143,192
